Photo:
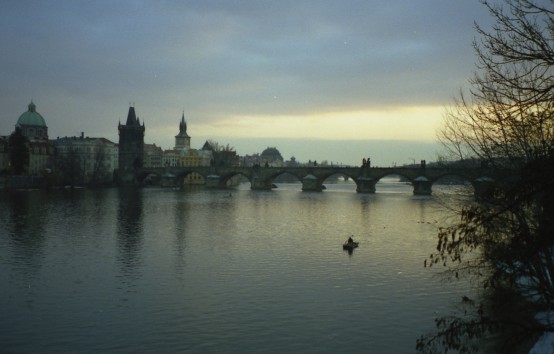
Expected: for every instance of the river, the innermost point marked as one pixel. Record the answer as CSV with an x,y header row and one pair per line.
x,y
220,271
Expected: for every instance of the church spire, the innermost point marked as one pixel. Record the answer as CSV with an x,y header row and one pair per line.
x,y
182,140
183,125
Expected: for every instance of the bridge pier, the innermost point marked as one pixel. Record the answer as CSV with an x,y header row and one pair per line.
x,y
127,179
422,186
365,185
311,183
212,181
260,184
483,187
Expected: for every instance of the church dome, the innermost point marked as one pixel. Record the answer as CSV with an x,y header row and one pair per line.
x,y
31,117
271,153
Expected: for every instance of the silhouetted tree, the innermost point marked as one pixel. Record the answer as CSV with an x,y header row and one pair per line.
x,y
506,120
223,155
100,172
507,117
70,167
18,152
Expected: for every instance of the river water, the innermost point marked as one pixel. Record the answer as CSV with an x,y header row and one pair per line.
x,y
219,271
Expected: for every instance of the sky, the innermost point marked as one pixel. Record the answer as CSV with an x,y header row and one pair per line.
x,y
319,80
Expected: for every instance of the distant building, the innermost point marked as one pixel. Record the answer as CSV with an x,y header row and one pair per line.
x,y
183,155
87,160
292,162
153,156
222,156
273,157
208,154
171,158
32,124
131,148
4,157
34,128
194,157
269,157
251,160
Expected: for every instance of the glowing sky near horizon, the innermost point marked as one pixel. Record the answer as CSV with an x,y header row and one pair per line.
x,y
241,71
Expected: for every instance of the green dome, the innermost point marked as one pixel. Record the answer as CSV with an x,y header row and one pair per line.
x,y
31,117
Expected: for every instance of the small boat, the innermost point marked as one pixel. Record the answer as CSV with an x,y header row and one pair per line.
x,y
349,246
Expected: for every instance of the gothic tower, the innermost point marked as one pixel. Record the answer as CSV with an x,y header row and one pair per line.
x,y
131,147
182,140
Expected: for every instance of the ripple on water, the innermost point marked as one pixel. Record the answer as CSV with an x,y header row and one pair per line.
x,y
202,271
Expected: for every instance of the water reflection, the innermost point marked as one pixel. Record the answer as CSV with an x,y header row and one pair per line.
x,y
216,271
181,215
422,203
220,218
129,229
26,216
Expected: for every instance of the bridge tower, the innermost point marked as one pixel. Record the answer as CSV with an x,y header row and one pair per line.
x,y
131,148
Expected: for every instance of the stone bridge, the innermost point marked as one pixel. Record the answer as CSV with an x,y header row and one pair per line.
x,y
312,178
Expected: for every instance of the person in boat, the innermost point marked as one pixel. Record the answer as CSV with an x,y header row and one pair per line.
x,y
350,240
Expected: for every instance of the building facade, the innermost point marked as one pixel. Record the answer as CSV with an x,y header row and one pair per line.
x,y
183,155
269,157
171,158
153,156
84,160
33,126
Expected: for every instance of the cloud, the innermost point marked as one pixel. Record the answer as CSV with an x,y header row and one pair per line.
x,y
83,62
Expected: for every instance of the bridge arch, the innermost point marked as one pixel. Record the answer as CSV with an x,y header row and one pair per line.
x,y
226,180
296,176
341,180
147,178
444,183
369,183
284,177
406,176
340,173
189,177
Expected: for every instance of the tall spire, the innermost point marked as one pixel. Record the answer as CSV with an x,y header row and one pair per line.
x,y
183,125
131,117
182,140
